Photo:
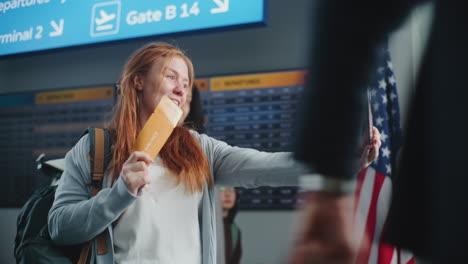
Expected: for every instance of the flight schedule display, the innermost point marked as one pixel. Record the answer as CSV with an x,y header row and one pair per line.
x,y
255,111
33,25
252,110
47,123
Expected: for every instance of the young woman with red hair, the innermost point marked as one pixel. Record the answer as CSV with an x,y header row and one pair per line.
x,y
161,210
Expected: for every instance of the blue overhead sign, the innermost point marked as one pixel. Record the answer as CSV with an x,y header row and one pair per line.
x,y
32,25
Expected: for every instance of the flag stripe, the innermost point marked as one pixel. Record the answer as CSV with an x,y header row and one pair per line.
x,y
372,216
385,251
362,211
406,257
359,186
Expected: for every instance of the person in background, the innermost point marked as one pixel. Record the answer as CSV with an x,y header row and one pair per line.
x,y
193,114
232,233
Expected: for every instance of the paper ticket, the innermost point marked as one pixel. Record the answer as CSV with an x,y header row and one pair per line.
x,y
159,127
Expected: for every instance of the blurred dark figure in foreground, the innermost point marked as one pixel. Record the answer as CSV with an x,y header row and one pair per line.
x,y
429,208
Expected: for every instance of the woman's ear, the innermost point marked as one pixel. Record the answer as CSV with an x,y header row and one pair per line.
x,y
138,81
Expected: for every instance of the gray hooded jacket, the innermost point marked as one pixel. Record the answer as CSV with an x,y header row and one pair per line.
x,y
74,218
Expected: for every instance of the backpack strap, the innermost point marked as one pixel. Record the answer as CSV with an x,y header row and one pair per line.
x,y
99,140
99,156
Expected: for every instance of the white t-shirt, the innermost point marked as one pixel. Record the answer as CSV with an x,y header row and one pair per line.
x,y
161,226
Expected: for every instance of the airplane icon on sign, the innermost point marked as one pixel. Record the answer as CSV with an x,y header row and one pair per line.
x,y
104,19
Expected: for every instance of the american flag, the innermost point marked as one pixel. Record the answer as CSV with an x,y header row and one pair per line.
x,y
375,182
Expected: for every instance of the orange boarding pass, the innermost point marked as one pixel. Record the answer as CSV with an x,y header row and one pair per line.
x,y
158,128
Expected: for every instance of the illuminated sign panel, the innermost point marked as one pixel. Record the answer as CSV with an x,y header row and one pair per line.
x,y
33,25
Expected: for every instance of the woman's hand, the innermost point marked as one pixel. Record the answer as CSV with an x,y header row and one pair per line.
x,y
371,152
135,171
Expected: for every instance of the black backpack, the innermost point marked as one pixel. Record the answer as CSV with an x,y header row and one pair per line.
x,y
33,243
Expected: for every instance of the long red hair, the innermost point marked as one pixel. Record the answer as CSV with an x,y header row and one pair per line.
x,y
181,154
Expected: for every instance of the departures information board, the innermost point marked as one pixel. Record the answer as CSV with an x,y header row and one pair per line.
x,y
252,110
33,25
44,122
255,111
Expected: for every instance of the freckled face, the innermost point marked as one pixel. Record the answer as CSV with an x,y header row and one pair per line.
x,y
172,81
